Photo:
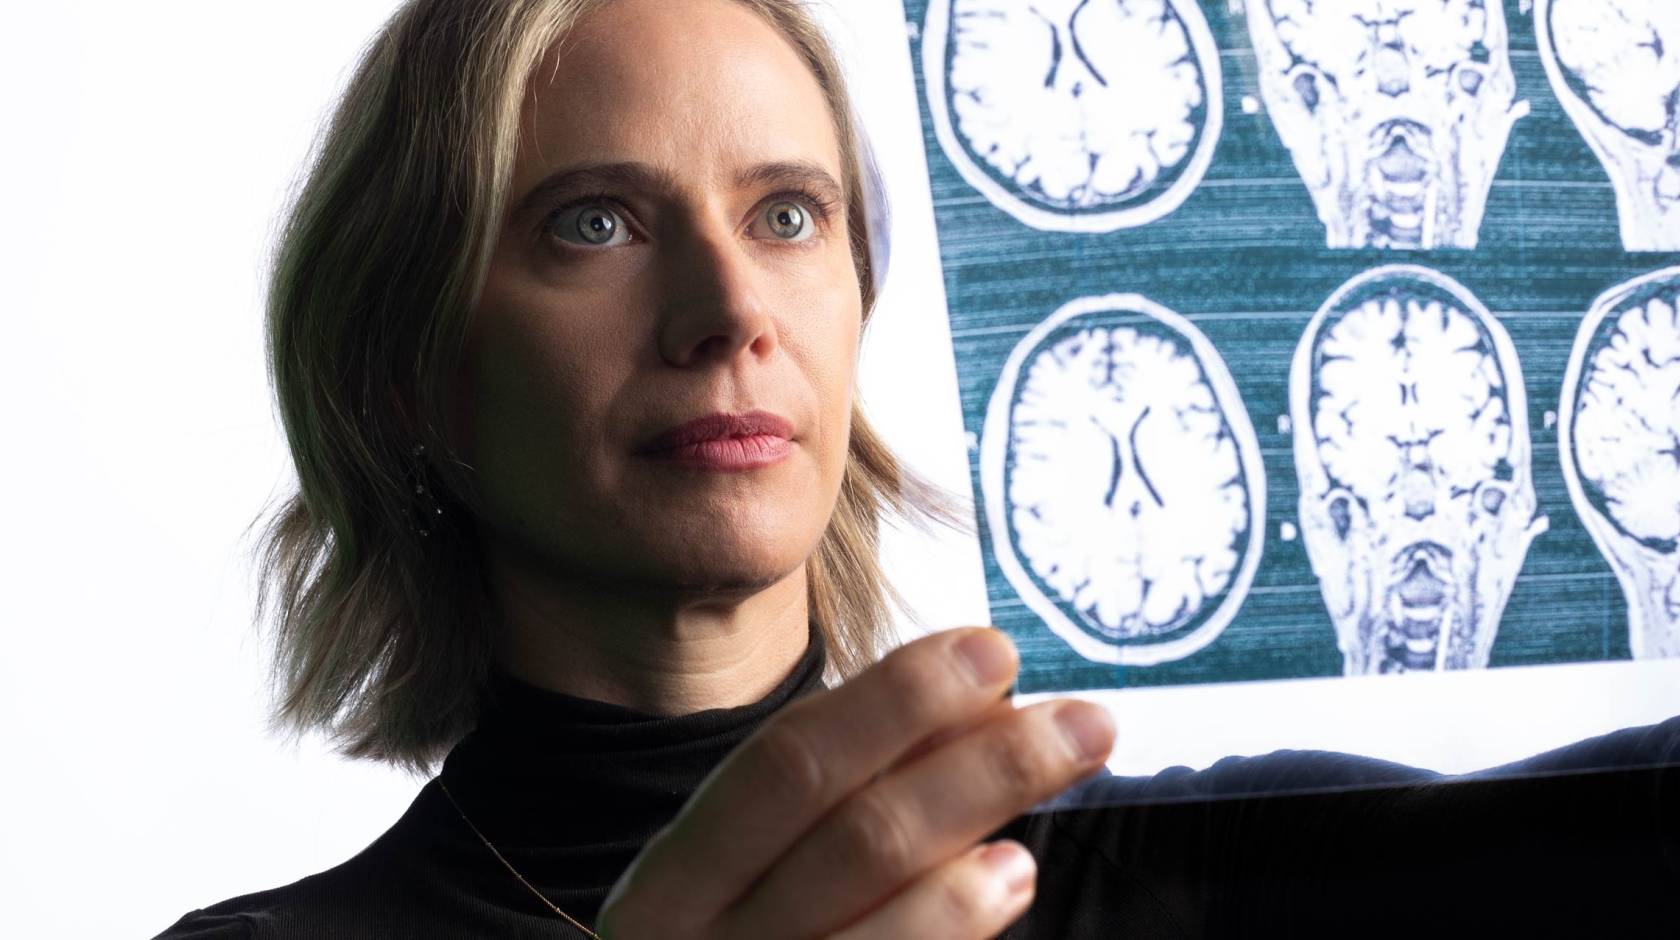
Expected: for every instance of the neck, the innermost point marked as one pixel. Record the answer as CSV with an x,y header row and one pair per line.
x,y
658,652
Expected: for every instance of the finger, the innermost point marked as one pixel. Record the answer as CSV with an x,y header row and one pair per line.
x,y
978,894
922,815
808,758
950,733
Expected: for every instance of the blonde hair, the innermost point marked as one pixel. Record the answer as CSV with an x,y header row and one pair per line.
x,y
381,636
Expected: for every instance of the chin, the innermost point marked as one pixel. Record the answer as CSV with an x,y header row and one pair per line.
x,y
740,545
732,536
735,566
712,579
700,553
733,585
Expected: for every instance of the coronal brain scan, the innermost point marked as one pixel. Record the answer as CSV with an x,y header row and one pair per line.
x,y
1615,66
1619,442
1266,472
1075,115
1396,112
1122,481
1413,456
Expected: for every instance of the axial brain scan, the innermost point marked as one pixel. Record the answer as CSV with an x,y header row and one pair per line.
x,y
1122,481
1615,65
1075,115
1619,443
1412,450
1396,112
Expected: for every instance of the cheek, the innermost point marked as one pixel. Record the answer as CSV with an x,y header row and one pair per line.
x,y
840,367
538,383
828,351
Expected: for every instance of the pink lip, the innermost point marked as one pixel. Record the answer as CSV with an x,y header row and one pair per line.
x,y
725,442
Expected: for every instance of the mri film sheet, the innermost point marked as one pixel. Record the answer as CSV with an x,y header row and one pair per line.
x,y
1268,318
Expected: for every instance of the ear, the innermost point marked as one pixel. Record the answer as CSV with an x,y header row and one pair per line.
x,y
1332,530
1296,95
1304,101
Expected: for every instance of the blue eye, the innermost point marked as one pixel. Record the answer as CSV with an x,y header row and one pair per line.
x,y
592,225
788,221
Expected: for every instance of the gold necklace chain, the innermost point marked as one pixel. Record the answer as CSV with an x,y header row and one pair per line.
x,y
568,918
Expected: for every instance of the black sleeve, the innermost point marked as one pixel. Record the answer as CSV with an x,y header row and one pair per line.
x,y
204,925
1542,846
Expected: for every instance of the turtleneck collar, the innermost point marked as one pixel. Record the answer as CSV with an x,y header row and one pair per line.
x,y
551,776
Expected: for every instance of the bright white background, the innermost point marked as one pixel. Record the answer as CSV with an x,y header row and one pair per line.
x,y
149,148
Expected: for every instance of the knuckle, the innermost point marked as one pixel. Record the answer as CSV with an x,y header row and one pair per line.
x,y
788,757
965,900
875,834
1018,768
916,685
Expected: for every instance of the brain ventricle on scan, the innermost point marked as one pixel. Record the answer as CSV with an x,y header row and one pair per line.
x,y
1619,443
1615,66
1071,115
1336,194
1396,112
1122,481
1412,450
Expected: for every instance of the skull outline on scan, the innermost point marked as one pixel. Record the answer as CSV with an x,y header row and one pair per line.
x,y
1122,481
1396,112
1619,446
1412,451
1074,115
1615,67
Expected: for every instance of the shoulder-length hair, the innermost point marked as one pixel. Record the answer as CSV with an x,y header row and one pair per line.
x,y
381,635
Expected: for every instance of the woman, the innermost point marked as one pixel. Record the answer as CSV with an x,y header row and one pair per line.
x,y
564,330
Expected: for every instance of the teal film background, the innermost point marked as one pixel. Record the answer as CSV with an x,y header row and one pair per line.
x,y
1243,258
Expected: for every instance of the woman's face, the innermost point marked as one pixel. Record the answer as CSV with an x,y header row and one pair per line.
x,y
675,249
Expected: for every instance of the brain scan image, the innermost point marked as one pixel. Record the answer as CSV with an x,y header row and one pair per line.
x,y
1619,444
1412,450
1122,481
1396,112
1074,115
1615,65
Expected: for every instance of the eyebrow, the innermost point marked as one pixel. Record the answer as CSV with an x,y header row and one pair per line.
x,y
630,175
790,173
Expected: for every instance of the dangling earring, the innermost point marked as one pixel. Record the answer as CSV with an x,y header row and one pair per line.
x,y
428,514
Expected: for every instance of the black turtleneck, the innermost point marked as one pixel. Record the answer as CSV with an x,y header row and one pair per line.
x,y
568,790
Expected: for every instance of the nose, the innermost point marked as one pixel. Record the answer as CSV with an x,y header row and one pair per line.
x,y
714,308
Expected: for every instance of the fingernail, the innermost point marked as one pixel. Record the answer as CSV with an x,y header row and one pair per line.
x,y
1088,729
989,656
1011,864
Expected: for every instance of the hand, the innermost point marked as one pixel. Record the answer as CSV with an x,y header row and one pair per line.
x,y
855,812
